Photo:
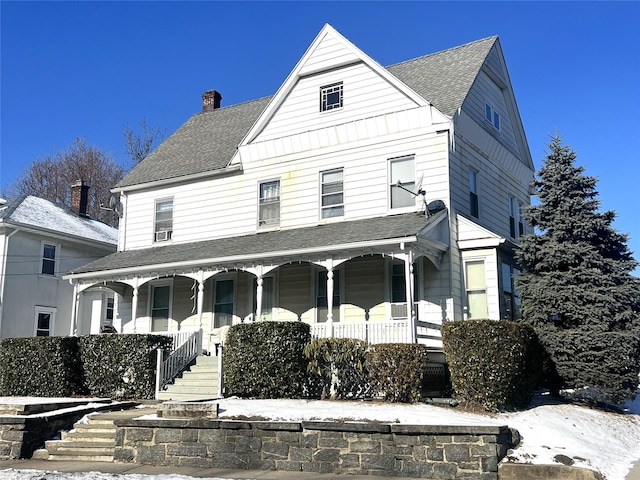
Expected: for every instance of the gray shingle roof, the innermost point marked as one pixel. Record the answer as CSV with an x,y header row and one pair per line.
x,y
208,140
317,238
444,78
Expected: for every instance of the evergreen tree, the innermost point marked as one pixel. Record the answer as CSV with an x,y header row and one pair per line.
x,y
576,285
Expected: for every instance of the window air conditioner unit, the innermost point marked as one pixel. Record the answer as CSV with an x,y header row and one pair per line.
x,y
163,236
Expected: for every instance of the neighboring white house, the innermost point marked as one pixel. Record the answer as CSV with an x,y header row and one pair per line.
x,y
369,202
39,242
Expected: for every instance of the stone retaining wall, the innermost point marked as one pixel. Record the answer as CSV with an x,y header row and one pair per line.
x,y
427,451
21,435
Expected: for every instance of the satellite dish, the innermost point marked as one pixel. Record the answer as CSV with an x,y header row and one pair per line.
x,y
114,205
418,191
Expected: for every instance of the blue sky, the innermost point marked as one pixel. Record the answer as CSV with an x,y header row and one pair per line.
x,y
87,69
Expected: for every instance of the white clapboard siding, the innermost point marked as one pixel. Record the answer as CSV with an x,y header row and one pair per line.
x,y
365,94
328,52
228,206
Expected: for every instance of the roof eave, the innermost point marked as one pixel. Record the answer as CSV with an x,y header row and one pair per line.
x,y
175,180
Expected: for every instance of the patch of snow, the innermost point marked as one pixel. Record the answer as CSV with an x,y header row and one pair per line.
x,y
45,214
10,474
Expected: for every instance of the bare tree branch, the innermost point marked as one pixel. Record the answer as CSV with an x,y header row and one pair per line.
x,y
139,144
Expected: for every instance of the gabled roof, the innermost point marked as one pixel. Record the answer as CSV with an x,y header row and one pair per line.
x,y
445,78
357,234
208,140
37,213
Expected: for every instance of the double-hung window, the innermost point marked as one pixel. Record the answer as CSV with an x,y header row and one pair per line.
x,y
45,318
331,97
510,296
476,288
513,208
269,204
473,193
48,259
163,220
332,193
492,116
403,181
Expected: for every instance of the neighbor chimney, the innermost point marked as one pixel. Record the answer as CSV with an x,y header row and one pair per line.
x,y
80,197
211,100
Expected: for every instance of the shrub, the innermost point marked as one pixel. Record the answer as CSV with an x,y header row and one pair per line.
x,y
397,370
340,366
121,366
266,359
40,367
496,364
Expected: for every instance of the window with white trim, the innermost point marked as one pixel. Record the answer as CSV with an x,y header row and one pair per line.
x,y
160,307
492,116
510,304
269,204
223,302
48,259
163,220
476,289
332,193
45,320
402,177
473,193
331,97
322,305
513,207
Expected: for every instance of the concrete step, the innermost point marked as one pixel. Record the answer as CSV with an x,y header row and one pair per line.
x,y
171,395
73,448
78,458
86,445
97,437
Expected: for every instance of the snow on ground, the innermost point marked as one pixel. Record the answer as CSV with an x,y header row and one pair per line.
x,y
602,441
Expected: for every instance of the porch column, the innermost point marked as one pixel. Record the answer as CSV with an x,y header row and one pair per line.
x,y
259,290
74,311
200,300
134,308
330,303
409,283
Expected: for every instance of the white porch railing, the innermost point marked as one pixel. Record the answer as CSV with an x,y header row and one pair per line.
x,y
186,347
394,331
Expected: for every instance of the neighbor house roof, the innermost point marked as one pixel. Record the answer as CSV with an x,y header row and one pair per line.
x,y
40,214
208,140
345,235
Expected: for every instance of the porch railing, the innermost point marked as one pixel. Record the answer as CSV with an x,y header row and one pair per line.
x,y
186,347
394,331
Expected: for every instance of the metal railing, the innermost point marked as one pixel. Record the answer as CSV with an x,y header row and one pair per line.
x,y
394,331
186,347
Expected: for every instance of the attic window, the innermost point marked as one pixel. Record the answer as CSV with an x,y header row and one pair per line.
x,y
331,97
492,116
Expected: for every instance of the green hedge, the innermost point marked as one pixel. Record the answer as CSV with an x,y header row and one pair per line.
x,y
266,359
397,370
496,364
121,366
40,367
114,366
338,368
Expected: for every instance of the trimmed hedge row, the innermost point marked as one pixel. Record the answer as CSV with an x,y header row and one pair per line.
x,y
266,359
114,366
278,360
494,363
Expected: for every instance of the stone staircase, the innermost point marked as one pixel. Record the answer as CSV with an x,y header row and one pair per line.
x,y
199,382
92,439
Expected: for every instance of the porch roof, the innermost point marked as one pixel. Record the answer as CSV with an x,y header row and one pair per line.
x,y
348,235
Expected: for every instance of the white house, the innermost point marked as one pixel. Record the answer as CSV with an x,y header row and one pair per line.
x,y
39,242
368,201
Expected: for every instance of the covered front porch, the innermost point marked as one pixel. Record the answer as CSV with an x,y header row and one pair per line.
x,y
380,280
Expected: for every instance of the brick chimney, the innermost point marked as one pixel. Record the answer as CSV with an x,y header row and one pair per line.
x,y
211,100
80,198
